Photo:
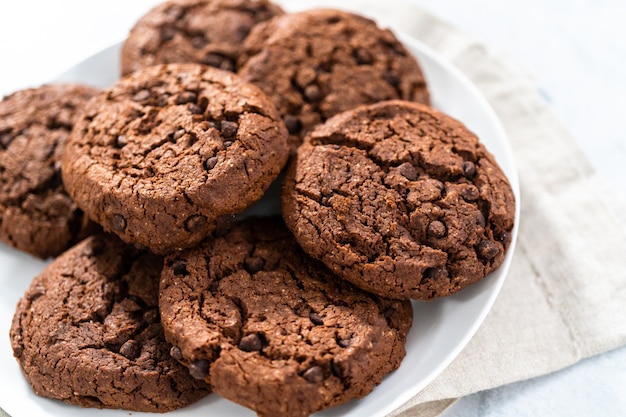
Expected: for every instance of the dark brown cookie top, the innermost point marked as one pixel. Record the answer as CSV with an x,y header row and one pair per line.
x,y
161,156
36,214
274,330
317,63
87,332
206,32
401,200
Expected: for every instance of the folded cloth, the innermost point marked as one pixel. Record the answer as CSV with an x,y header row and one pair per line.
x,y
563,298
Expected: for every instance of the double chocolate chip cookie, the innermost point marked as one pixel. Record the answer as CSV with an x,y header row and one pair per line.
x,y
36,214
208,32
401,200
167,153
317,63
87,332
274,330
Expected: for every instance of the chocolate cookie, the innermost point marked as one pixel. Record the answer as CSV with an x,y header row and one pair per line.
x,y
317,63
274,330
36,214
206,32
400,200
87,332
164,154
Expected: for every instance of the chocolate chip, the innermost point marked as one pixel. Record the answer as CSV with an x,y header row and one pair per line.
x,y
167,33
391,78
210,163
505,238
131,349
227,144
337,370
408,171
487,249
250,343
228,129
199,369
179,133
120,141
151,316
195,223
176,353
141,95
363,56
469,169
195,109
198,42
436,274
228,65
186,97
345,342
213,60
436,229
179,267
480,219
470,193
312,93
214,286
253,264
314,374
292,123
219,61
119,222
316,319
6,137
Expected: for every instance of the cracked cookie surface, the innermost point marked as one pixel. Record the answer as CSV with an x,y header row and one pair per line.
x,y
36,214
272,329
167,152
318,63
401,200
87,332
208,32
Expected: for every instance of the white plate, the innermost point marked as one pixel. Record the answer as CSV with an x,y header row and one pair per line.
x,y
441,328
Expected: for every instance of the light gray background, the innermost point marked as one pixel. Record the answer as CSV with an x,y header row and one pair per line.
x,y
574,50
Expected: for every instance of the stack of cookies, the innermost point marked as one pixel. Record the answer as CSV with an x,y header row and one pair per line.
x,y
163,287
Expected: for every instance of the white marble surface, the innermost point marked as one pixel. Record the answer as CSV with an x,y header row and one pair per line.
x,y
575,50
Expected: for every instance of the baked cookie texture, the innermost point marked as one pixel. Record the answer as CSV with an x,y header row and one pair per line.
x,y
208,32
318,63
167,153
272,329
401,200
87,332
36,214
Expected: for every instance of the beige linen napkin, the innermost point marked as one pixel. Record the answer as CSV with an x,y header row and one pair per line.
x,y
563,299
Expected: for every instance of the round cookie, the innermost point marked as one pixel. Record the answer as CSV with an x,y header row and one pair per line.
x,y
36,214
206,32
274,330
318,63
401,200
167,152
87,332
